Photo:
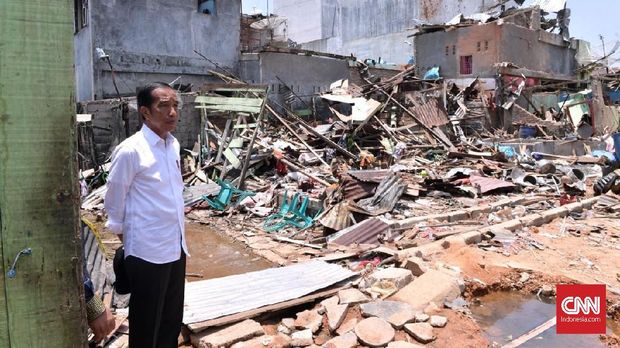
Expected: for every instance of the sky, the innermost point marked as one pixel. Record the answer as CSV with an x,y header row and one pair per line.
x,y
589,19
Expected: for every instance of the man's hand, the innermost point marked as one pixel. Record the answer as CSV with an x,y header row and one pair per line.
x,y
610,181
103,325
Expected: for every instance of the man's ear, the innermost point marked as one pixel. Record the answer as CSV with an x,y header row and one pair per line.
x,y
145,112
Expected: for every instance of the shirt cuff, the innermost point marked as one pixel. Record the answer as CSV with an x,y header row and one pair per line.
x,y
114,227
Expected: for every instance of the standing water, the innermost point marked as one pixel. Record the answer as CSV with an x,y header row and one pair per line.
x,y
215,256
504,316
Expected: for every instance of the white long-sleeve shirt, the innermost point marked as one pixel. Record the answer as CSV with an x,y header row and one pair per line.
x,y
144,200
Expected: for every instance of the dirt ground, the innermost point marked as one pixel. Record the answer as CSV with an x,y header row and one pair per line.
x,y
573,251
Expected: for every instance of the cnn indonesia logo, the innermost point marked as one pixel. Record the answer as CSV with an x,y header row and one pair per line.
x,y
580,309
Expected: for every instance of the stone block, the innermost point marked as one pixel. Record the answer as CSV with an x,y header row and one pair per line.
x,y
397,276
230,335
374,332
302,338
416,265
438,321
352,296
432,286
309,319
422,332
348,340
395,312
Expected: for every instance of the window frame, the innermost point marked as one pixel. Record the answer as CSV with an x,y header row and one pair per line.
x,y
466,65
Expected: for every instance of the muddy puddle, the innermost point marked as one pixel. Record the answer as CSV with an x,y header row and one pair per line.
x,y
504,316
214,256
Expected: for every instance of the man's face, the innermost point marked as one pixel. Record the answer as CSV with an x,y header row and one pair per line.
x,y
162,116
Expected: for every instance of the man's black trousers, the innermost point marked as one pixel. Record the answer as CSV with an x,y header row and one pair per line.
x,y
156,302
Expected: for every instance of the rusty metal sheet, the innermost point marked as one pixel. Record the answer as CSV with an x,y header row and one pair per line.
x,y
370,175
432,114
365,232
485,184
337,218
354,189
385,198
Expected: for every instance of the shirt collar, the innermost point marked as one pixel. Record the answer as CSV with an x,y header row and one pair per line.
x,y
151,137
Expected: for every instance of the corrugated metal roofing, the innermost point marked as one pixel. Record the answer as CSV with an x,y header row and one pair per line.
x,y
431,113
214,298
372,175
337,218
385,198
485,184
353,189
365,232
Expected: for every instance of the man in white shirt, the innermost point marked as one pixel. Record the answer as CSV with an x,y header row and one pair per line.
x,y
144,203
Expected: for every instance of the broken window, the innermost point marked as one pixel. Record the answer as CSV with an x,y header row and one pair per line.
x,y
447,50
479,46
80,9
207,7
453,49
486,45
466,65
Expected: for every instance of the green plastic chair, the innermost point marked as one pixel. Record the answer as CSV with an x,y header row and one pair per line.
x,y
227,192
290,214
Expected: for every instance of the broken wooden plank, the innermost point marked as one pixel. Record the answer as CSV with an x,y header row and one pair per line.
x,y
298,242
319,135
257,102
447,145
246,161
287,126
302,170
336,256
235,108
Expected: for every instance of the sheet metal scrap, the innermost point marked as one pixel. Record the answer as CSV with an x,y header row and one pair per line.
x,y
486,185
338,217
431,113
369,231
370,175
354,189
215,298
385,198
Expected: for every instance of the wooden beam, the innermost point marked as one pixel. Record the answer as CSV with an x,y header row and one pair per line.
x,y
43,305
305,172
256,102
295,134
432,132
246,161
321,136
235,108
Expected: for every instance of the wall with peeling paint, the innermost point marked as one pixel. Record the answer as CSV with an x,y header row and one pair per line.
x,y
530,49
154,40
367,28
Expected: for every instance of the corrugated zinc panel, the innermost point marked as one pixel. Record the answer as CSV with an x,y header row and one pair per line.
x,y
214,298
365,232
431,113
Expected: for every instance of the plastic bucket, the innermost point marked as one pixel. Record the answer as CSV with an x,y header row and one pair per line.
x,y
616,138
528,132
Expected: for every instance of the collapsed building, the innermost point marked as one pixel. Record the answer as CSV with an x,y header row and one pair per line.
x,y
374,30
398,195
